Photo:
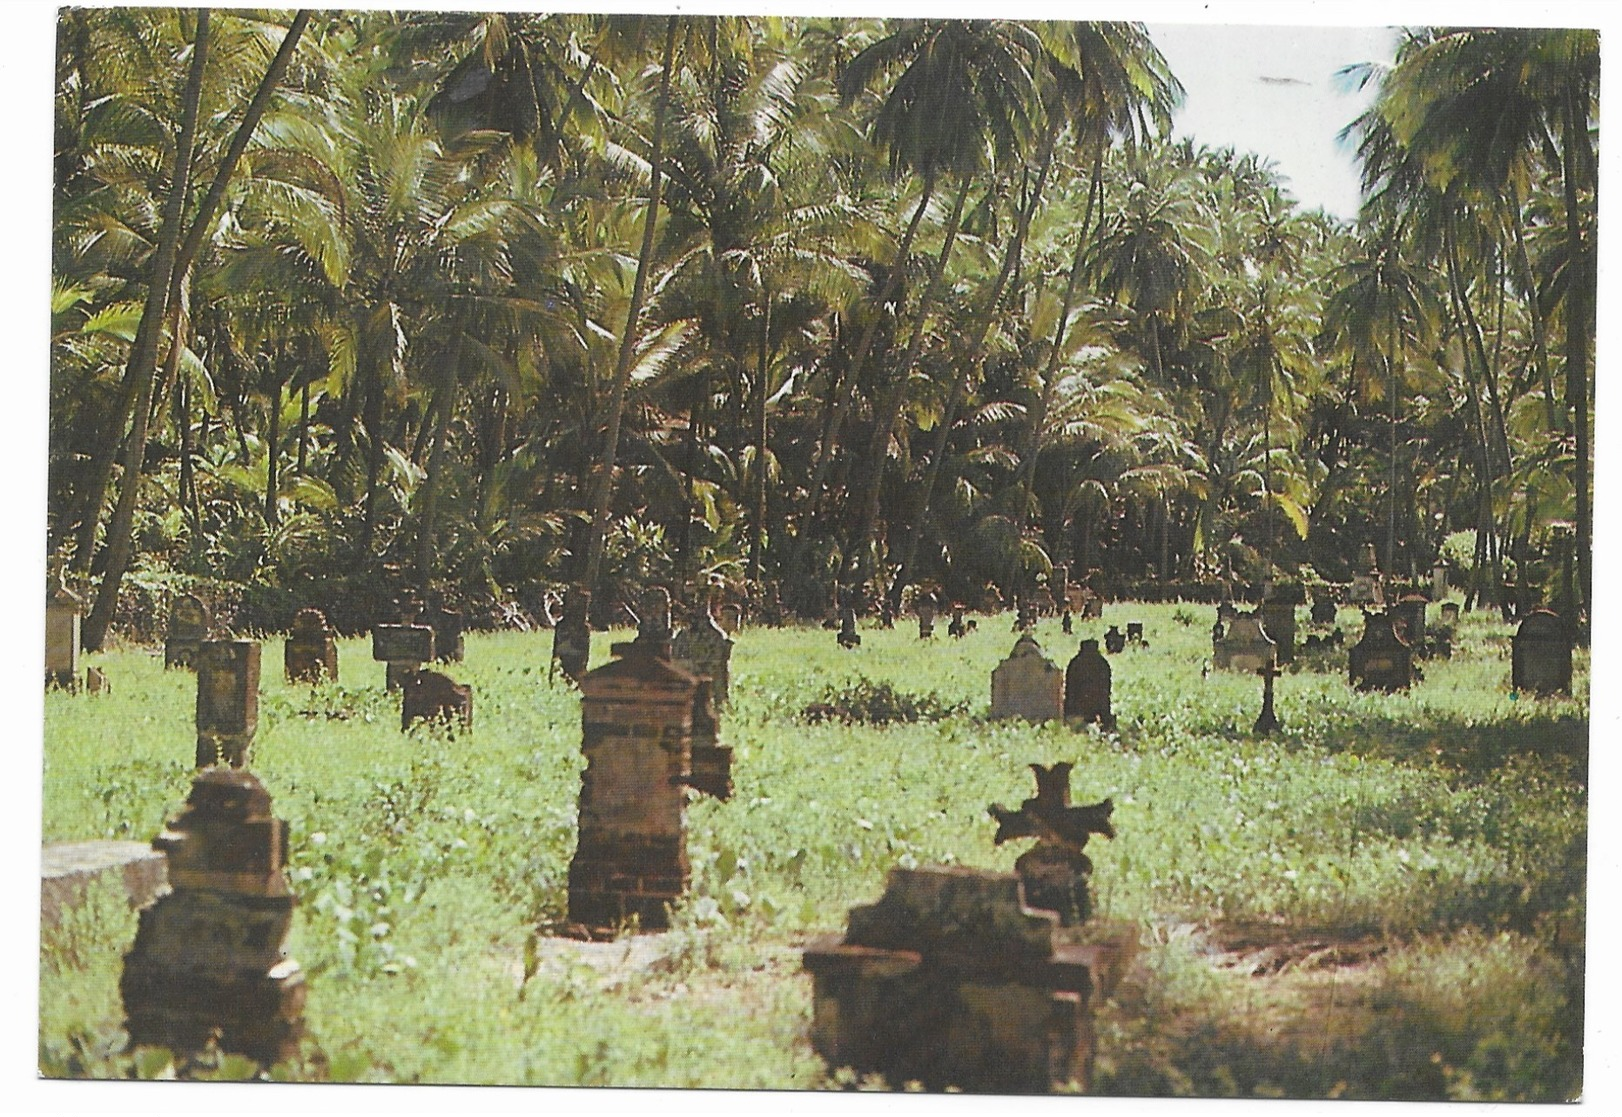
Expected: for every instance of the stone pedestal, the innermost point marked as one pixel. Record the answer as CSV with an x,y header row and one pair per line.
x,y
1027,684
188,628
227,701
1540,657
210,958
430,696
311,653
950,980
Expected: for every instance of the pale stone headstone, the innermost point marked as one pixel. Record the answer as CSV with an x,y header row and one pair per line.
x,y
1087,687
227,701
1245,646
310,654
210,959
1450,612
1382,659
188,628
68,869
705,650
62,620
1027,684
1540,660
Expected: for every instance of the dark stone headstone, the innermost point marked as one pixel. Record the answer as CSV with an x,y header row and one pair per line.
x,y
1267,721
926,619
704,649
404,647
430,696
310,654
1067,624
1087,687
227,701
1278,618
848,636
1540,657
1134,632
1382,659
1114,641
1056,872
957,628
1323,611
1410,614
188,628
449,642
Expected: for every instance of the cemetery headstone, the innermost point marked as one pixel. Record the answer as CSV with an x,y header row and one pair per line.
x,y
1067,624
210,957
62,620
430,696
1094,608
1382,659
310,654
1134,632
729,617
848,636
950,980
1540,654
711,760
1323,610
1027,684
1245,646
227,701
1439,580
1450,612
571,638
704,649
1024,613
957,628
449,642
1410,614
1267,721
188,628
1087,687
95,681
1114,641
404,647
1057,874
636,714
926,619
1278,618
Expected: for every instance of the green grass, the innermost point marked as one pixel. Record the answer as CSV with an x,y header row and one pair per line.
x,y
1436,839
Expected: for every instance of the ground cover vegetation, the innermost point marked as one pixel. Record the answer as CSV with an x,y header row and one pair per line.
x,y
1383,900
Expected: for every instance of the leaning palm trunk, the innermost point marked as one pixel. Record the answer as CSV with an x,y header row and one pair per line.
x,y
602,497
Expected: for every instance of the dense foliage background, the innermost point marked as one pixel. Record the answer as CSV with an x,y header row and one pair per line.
x,y
516,300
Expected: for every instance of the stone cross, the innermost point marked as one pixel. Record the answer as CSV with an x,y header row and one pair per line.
x,y
1382,659
704,649
1027,684
406,646
62,620
310,654
1267,721
188,628
571,638
210,957
227,701
1087,687
1540,654
1024,613
1056,872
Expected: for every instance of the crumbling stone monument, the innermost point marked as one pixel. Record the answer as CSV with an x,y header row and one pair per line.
x,y
958,627
637,716
404,647
188,628
1540,654
1245,646
310,654
430,696
1056,873
1382,659
950,980
1087,687
449,642
210,957
704,649
926,618
571,639
63,614
227,701
1027,684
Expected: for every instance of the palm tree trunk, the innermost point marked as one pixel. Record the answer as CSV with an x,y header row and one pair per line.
x,y
1575,161
304,428
434,478
757,539
273,437
603,488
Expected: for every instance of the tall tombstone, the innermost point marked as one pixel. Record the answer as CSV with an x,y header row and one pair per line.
x,y
1366,588
62,619
210,957
1245,646
404,647
637,714
188,628
1410,612
704,649
1087,687
1382,659
1027,684
571,638
227,701
449,642
1267,721
1540,655
926,618
310,654
1278,618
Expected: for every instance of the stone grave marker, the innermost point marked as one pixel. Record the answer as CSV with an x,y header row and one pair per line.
x,y
449,642
1087,687
1056,873
1067,624
950,980
729,617
704,649
404,647
95,681
1267,721
926,619
68,870
1439,580
957,628
637,714
1450,613
1540,655
210,957
1382,659
711,760
1278,618
1245,646
188,628
1114,641
1134,632
1323,610
1410,613
62,645
1027,684
1024,613
310,654
1093,608
227,701
571,638
848,636
430,696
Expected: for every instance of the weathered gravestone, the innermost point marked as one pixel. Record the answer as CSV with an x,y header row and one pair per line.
x,y
950,980
729,616
450,644
926,619
1087,687
1366,588
1027,684
711,762
1450,613
1067,624
1382,659
404,647
188,628
227,701
1057,874
1245,646
430,696
62,646
571,638
1323,610
1410,614
958,627
637,715
210,958
310,654
1093,608
1278,618
848,636
704,649
1540,655
1134,632
1114,641
1439,580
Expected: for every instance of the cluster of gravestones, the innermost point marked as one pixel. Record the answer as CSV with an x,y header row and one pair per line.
x,y
1028,685
408,644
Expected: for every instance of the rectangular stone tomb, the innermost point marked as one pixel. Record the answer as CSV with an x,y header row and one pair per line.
x,y
1027,684
62,643
950,980
68,870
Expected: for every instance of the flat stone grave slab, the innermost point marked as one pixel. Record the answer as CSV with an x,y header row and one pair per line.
x,y
68,869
